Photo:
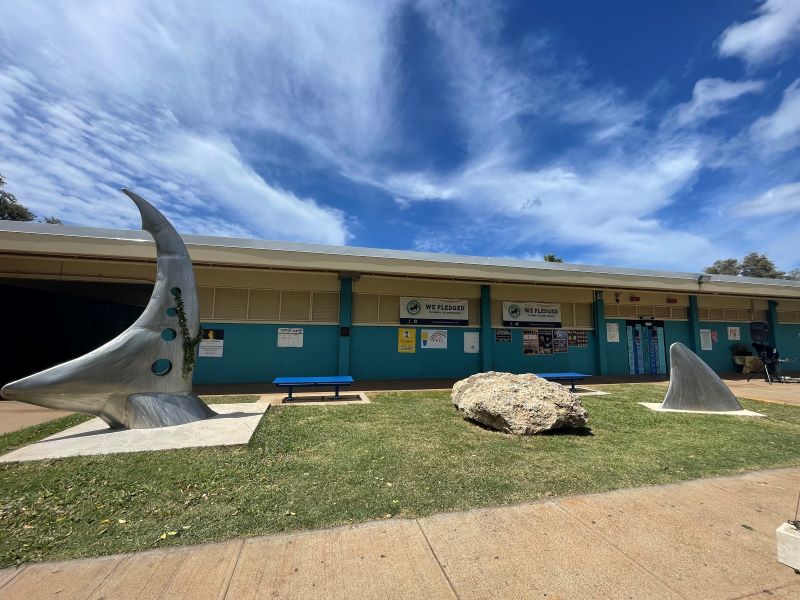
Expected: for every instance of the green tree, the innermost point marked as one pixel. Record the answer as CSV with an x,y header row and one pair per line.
x,y
10,208
552,258
725,266
793,274
758,265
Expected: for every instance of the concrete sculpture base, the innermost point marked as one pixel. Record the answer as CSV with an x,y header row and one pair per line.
x,y
694,386
232,425
733,413
789,545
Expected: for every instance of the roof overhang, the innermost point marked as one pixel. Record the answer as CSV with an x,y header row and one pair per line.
x,y
24,238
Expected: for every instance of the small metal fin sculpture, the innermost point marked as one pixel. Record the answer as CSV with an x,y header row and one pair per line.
x,y
693,385
136,380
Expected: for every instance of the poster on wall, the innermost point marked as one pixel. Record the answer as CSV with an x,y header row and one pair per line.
x,y
471,342
545,341
433,311
705,339
290,337
502,336
578,338
531,314
407,340
560,340
212,343
612,332
530,341
714,336
734,334
435,339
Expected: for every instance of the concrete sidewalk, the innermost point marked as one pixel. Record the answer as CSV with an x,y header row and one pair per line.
x,y
712,538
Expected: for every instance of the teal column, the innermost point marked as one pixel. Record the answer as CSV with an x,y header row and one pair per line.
x,y
694,324
772,319
345,323
486,328
600,338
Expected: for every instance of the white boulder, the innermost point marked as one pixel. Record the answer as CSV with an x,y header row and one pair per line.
x,y
520,404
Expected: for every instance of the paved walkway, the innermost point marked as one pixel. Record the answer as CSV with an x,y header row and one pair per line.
x,y
16,415
705,539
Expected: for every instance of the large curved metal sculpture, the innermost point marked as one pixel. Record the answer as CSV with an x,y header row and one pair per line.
x,y
693,385
136,380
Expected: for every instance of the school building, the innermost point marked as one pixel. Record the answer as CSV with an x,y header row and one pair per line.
x,y
287,309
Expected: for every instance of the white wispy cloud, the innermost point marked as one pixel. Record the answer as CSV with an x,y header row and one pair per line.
x,y
68,158
710,97
169,80
773,32
780,131
780,200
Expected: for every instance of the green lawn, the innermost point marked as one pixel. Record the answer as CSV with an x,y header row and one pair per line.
x,y
404,455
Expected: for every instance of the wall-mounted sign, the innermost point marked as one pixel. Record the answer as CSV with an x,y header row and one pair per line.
x,y
502,336
471,342
734,333
612,332
545,341
407,340
212,343
560,340
705,339
433,311
578,338
531,314
433,339
290,337
530,341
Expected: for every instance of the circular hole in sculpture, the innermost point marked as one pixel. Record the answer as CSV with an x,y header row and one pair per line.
x,y
161,367
172,311
176,291
169,334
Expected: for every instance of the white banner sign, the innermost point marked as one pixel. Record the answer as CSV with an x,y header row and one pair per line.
x,y
471,342
705,340
612,332
433,311
290,337
212,343
434,339
531,314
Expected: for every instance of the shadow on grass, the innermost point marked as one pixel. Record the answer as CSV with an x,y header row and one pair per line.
x,y
576,431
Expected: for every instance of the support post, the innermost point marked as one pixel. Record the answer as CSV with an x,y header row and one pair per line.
x,y
600,339
694,324
345,323
486,328
772,320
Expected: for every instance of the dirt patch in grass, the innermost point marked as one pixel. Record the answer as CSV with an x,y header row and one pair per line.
x,y
404,455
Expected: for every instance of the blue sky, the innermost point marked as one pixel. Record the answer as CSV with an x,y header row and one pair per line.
x,y
651,134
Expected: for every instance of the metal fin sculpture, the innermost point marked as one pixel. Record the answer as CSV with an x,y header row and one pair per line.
x,y
693,385
136,380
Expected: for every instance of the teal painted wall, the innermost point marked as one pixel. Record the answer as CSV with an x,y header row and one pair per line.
x,y
507,356
374,355
719,357
788,338
251,354
617,352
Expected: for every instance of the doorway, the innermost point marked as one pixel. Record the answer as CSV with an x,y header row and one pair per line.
x,y
646,349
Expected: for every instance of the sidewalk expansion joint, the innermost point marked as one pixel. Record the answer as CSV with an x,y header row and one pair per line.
x,y
436,558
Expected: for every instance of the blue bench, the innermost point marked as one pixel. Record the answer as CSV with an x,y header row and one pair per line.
x,y
335,381
571,377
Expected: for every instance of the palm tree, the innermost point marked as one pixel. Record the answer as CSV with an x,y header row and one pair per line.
x,y
552,258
